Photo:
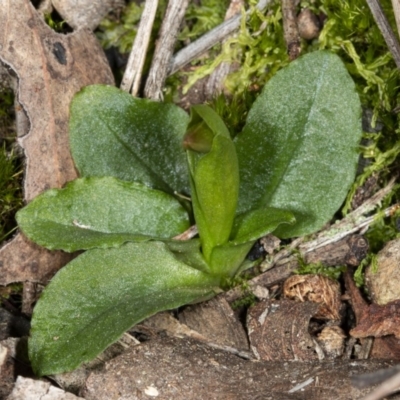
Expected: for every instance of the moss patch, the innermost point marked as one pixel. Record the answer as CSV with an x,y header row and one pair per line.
x,y
10,167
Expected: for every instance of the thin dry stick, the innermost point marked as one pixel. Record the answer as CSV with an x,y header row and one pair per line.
x,y
396,10
290,29
216,79
387,32
188,234
374,378
210,39
133,72
387,387
164,48
353,222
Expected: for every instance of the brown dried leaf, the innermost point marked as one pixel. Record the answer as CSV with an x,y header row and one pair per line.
x,y
318,289
278,330
51,68
357,301
374,319
387,347
22,260
379,321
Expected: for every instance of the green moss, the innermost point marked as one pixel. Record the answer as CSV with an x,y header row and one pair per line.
x,y
7,292
352,33
384,228
358,277
258,48
349,30
10,192
10,167
120,31
6,113
233,110
201,17
247,298
57,26
246,301
318,268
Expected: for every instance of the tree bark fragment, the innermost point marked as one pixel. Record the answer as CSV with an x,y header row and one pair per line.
x,y
187,370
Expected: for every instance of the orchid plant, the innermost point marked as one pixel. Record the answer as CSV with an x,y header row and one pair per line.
x,y
149,170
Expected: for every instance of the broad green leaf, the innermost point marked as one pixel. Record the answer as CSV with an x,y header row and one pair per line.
x,y
115,134
254,224
214,178
100,212
102,293
298,150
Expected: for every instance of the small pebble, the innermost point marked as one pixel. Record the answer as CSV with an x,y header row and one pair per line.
x,y
308,24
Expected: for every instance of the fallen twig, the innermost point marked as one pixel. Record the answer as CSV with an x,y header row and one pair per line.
x,y
164,48
133,72
216,79
387,32
373,378
290,29
211,38
396,10
188,234
386,388
353,222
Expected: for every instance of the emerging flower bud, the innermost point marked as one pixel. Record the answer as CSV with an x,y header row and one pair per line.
x,y
198,138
